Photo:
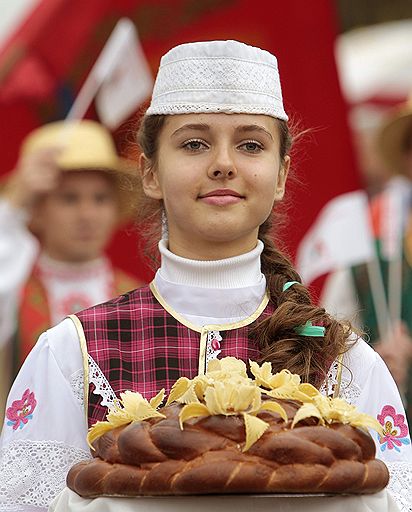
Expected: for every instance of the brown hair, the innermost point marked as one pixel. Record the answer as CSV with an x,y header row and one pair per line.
x,y
310,357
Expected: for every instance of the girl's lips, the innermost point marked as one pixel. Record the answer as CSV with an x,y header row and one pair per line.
x,y
221,200
222,192
222,197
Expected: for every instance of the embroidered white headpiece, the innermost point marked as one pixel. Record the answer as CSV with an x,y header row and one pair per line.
x,y
218,76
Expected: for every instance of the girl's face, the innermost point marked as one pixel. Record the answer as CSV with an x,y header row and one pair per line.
x,y
218,176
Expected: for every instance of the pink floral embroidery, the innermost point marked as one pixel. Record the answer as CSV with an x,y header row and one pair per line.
x,y
21,411
395,430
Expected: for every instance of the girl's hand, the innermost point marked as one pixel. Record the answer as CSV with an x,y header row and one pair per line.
x,y
35,175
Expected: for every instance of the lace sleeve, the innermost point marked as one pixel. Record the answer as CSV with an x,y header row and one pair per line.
x,y
364,381
101,384
338,383
400,484
33,472
44,432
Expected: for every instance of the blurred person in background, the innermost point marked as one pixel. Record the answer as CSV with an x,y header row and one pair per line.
x,y
58,211
365,121
347,292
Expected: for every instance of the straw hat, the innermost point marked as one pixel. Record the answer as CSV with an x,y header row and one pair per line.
x,y
87,145
393,135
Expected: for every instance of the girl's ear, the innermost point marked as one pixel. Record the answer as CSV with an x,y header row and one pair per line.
x,y
282,177
149,176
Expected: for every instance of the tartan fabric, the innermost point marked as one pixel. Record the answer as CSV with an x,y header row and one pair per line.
x,y
139,346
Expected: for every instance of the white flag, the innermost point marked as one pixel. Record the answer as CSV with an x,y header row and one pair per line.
x,y
124,75
341,236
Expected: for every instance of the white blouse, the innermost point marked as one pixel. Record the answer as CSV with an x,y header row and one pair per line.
x,y
37,450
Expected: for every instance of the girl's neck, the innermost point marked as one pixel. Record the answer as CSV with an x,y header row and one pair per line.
x,y
235,272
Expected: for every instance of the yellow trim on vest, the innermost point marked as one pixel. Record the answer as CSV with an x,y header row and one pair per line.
x,y
202,352
83,348
338,376
211,327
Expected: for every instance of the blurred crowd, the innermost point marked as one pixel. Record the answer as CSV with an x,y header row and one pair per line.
x,y
385,156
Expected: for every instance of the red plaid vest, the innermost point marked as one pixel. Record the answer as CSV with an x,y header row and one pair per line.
x,y
140,346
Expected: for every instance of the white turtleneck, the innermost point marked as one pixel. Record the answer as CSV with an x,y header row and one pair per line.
x,y
211,292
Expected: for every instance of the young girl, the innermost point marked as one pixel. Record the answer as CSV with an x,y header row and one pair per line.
x,y
215,161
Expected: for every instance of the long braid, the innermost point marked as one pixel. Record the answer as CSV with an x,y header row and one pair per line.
x,y
310,357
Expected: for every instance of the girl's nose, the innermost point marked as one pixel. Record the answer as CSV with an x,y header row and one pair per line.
x,y
223,173
223,166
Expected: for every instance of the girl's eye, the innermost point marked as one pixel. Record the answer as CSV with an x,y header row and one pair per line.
x,y
252,146
194,145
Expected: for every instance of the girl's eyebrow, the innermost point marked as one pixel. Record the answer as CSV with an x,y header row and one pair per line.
x,y
254,128
205,127
198,126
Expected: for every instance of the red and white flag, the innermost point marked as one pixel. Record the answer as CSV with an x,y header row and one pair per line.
x,y
341,236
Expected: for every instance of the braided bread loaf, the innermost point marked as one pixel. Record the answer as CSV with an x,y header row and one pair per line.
x,y
157,457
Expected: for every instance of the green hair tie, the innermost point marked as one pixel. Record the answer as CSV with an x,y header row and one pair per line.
x,y
310,330
287,285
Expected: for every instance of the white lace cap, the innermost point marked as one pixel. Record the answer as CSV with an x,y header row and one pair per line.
x,y
218,76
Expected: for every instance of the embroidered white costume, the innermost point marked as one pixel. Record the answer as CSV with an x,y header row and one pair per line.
x,y
39,447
